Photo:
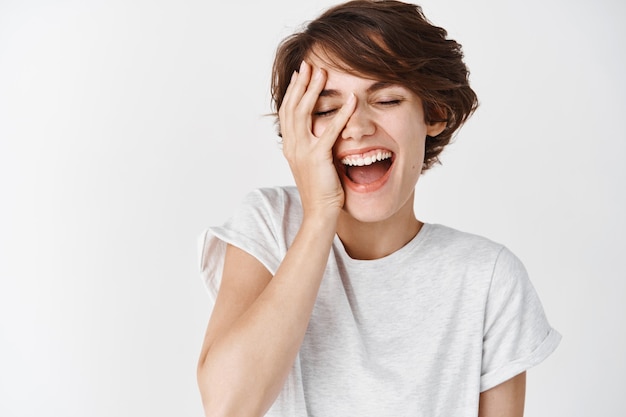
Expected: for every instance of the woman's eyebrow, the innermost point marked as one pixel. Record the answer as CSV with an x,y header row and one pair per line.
x,y
330,93
378,85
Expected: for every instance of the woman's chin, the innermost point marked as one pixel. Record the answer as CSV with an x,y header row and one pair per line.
x,y
360,209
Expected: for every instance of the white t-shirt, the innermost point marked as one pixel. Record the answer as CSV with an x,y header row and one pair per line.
x,y
420,332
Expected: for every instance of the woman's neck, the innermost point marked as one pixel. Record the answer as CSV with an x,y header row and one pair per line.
x,y
374,240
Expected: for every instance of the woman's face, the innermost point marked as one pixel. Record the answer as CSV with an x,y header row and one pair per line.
x,y
380,152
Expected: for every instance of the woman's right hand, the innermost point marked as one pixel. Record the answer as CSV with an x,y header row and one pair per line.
x,y
310,157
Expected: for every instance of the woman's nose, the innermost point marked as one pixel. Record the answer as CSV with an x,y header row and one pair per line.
x,y
360,124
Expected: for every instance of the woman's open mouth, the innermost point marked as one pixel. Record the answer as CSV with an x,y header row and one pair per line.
x,y
367,171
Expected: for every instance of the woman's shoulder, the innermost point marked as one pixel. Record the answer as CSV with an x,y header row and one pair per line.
x,y
455,242
473,252
281,202
286,195
277,208
451,235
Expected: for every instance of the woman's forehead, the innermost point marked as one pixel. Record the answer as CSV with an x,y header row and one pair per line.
x,y
319,58
336,69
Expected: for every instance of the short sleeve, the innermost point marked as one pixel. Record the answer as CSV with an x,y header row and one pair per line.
x,y
254,227
517,335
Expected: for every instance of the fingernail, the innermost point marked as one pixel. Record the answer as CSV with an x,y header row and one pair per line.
x,y
318,74
302,64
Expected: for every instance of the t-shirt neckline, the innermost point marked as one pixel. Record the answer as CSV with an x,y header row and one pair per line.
x,y
393,257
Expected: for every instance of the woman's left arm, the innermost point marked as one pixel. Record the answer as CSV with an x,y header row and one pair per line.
x,y
504,400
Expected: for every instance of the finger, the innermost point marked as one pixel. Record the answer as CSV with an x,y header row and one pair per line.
x,y
312,94
298,86
296,89
303,114
292,81
288,93
282,119
338,123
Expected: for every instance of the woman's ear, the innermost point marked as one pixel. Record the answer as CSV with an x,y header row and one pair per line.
x,y
436,119
435,128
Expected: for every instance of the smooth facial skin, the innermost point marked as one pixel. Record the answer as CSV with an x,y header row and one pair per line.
x,y
387,123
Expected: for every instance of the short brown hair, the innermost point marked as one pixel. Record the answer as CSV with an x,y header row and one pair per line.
x,y
389,41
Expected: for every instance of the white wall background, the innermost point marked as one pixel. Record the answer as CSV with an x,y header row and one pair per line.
x,y
126,127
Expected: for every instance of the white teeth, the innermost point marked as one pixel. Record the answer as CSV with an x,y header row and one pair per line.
x,y
359,160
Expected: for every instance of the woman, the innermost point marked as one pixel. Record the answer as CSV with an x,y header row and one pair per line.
x,y
332,297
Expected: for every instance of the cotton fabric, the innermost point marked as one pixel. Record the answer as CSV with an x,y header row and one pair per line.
x,y
421,332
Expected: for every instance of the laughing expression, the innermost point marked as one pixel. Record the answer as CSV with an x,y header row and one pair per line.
x,y
380,152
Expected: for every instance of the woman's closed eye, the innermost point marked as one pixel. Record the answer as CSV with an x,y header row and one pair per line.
x,y
325,112
390,102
